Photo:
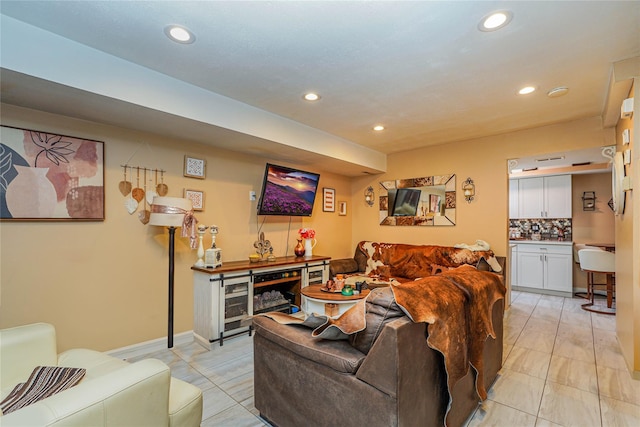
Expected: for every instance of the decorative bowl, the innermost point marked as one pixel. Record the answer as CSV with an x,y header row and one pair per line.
x,y
347,290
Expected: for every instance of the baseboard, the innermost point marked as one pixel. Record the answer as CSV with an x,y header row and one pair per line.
x,y
147,347
542,291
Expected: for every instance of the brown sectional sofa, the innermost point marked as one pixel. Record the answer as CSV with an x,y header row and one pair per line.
x,y
385,375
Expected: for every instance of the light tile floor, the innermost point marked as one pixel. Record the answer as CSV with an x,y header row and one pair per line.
x,y
562,367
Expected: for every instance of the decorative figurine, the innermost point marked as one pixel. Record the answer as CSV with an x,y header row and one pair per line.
x,y
271,257
213,256
262,246
214,232
200,261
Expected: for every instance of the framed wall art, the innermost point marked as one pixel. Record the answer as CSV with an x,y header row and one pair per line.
x,y
328,200
195,167
44,176
196,197
342,208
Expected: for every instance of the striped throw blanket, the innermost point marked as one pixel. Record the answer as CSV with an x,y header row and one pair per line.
x,y
43,382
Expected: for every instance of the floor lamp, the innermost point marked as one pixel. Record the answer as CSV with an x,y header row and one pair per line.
x,y
172,212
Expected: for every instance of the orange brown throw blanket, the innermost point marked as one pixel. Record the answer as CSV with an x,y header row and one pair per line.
x,y
416,261
457,305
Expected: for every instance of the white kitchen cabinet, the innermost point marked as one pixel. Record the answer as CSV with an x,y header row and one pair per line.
x,y
514,212
512,272
530,269
545,267
557,196
513,264
543,197
558,271
530,197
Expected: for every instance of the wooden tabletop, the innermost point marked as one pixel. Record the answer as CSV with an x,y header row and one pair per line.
x,y
229,266
602,245
611,247
313,291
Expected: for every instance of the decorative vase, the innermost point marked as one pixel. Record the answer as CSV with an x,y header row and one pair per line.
x,y
308,246
30,194
299,249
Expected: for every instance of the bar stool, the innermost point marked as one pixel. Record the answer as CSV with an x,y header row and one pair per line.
x,y
598,261
577,247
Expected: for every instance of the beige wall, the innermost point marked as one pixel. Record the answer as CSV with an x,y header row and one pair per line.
x,y
592,226
104,284
628,248
485,161
596,226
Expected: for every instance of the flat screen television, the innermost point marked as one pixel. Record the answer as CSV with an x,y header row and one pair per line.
x,y
406,202
287,191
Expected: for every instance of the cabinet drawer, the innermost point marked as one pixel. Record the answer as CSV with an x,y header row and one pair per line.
x,y
542,248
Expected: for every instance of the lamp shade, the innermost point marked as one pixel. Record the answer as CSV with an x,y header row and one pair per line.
x,y
169,211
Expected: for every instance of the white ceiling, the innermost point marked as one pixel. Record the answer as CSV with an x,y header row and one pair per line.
x,y
422,68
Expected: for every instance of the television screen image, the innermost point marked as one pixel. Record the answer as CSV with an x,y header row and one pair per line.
x,y
406,202
287,191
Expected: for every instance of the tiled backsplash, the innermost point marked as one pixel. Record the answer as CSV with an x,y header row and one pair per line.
x,y
540,229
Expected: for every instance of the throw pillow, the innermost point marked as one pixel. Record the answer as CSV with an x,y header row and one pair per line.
x,y
380,309
43,382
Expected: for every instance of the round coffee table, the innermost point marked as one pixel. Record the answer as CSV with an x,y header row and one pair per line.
x,y
328,303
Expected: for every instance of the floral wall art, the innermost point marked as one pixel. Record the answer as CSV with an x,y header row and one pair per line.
x,y
44,176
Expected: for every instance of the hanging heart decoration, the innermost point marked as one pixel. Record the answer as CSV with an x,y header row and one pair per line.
x,y
131,204
138,193
124,185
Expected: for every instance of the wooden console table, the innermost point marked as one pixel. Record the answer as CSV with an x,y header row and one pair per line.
x,y
223,296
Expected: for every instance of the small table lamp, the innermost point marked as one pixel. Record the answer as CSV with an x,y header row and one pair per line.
x,y
173,212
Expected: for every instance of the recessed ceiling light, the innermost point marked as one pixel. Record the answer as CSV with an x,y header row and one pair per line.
x,y
378,128
311,96
179,34
527,90
495,20
558,91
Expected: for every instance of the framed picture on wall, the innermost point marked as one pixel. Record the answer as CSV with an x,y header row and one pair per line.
x,y
328,199
342,208
195,167
45,176
434,203
196,197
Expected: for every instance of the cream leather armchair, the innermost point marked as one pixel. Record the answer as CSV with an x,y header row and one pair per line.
x,y
112,392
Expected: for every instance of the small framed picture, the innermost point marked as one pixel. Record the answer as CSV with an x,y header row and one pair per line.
x,y
342,208
434,203
196,197
328,200
194,167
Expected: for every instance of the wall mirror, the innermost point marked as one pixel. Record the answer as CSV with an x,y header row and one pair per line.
x,y
424,201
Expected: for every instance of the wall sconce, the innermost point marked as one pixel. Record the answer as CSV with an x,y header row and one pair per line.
x,y
589,201
369,196
469,190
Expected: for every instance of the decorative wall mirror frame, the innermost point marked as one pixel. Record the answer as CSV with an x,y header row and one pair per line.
x,y
424,201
